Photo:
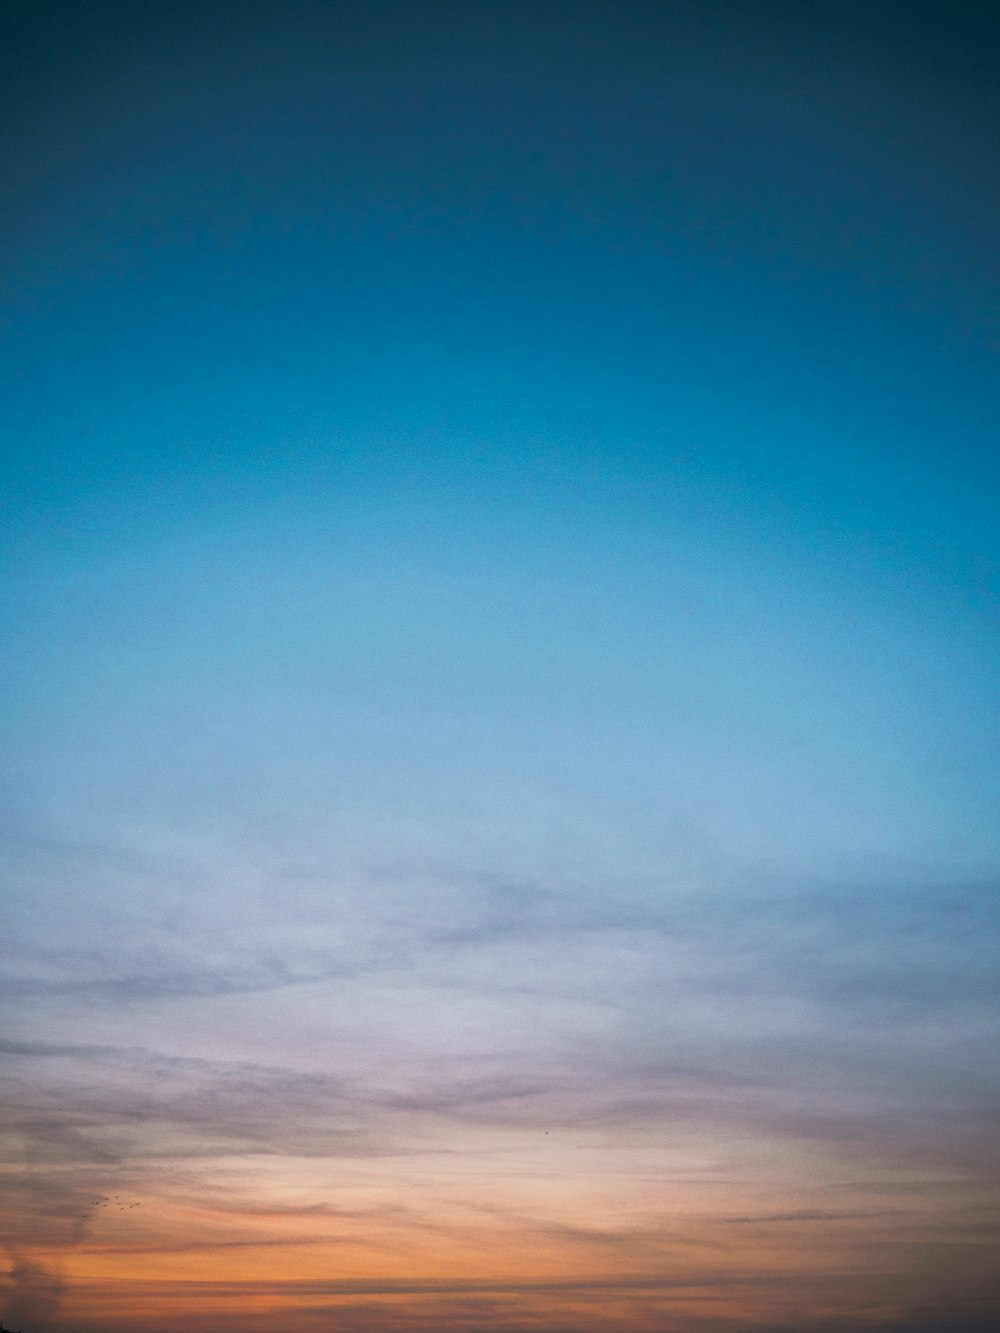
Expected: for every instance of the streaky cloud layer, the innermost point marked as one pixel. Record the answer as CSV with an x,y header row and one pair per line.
x,y
499,800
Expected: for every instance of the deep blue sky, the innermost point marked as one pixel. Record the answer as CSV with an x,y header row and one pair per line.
x,y
555,309
499,577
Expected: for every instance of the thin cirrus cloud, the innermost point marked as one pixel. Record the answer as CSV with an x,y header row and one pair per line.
x,y
499,792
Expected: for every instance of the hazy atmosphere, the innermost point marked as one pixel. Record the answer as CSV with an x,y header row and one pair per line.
x,y
499,677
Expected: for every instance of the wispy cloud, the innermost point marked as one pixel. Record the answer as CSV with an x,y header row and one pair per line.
x,y
550,1021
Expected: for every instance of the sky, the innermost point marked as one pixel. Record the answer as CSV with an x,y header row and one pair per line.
x,y
499,774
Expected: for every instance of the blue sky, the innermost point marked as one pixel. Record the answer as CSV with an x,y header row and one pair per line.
x,y
500,695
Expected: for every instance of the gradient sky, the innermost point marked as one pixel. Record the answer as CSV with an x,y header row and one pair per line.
x,y
499,676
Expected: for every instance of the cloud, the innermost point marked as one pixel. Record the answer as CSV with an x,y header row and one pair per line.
x,y
164,980
709,1303
801,1215
32,1292
687,1027
840,1016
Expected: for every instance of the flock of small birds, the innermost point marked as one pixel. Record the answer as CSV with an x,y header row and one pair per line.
x,y
114,1201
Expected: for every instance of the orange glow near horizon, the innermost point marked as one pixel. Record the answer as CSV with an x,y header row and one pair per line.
x,y
550,1238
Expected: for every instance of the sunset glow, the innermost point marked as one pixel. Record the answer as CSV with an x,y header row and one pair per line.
x,y
499,688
